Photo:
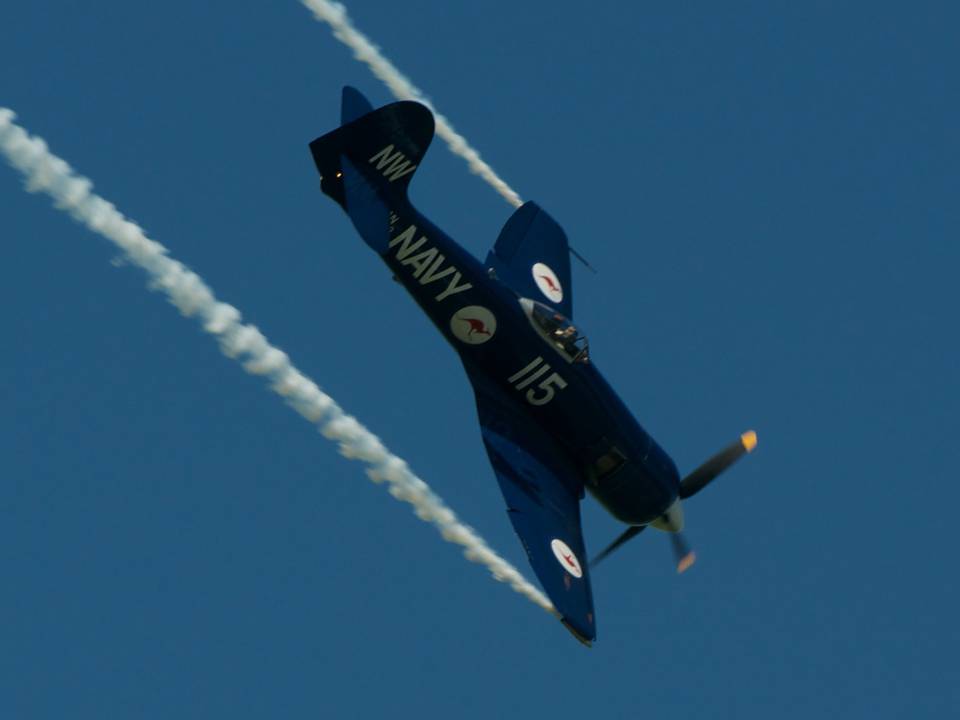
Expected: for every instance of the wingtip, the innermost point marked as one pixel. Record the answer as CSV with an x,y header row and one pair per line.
x,y
584,639
749,440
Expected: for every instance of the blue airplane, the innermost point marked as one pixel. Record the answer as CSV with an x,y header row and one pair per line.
x,y
551,424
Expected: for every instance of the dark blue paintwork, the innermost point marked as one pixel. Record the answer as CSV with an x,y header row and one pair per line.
x,y
565,432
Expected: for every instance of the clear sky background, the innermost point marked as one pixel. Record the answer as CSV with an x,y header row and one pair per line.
x,y
769,192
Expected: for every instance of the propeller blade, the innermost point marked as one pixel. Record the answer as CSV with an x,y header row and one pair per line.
x,y
685,557
630,532
703,475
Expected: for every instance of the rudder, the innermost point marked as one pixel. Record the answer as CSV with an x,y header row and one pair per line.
x,y
385,146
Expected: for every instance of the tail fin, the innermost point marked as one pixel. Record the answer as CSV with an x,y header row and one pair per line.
x,y
385,146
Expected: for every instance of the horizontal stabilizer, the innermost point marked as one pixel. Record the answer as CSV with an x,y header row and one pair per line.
x,y
353,105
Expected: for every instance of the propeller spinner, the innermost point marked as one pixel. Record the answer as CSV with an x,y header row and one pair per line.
x,y
689,486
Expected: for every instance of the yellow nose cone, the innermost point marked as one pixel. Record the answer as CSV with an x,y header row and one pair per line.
x,y
749,440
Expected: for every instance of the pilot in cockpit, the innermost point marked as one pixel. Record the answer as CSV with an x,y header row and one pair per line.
x,y
562,332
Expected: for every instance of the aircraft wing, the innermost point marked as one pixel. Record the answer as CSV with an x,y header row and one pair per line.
x,y
543,503
532,256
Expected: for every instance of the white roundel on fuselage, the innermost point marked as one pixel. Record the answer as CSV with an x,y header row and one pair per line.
x,y
473,325
548,282
566,558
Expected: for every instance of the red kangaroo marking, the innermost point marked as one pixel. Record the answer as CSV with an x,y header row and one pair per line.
x,y
476,326
551,283
570,561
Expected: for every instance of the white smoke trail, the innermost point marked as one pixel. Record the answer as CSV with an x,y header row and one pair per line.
x,y
45,172
335,15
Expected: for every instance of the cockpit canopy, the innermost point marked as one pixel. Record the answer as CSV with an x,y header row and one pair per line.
x,y
558,330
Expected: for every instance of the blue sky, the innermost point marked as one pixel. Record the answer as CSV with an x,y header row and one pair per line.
x,y
769,193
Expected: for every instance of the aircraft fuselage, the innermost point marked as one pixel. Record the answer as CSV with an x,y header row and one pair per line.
x,y
488,327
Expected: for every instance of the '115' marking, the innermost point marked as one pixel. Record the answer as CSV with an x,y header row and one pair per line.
x,y
547,387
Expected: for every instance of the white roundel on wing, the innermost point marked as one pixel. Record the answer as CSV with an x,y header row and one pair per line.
x,y
566,558
548,282
473,325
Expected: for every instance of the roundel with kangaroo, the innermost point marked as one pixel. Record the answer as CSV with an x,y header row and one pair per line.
x,y
473,325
